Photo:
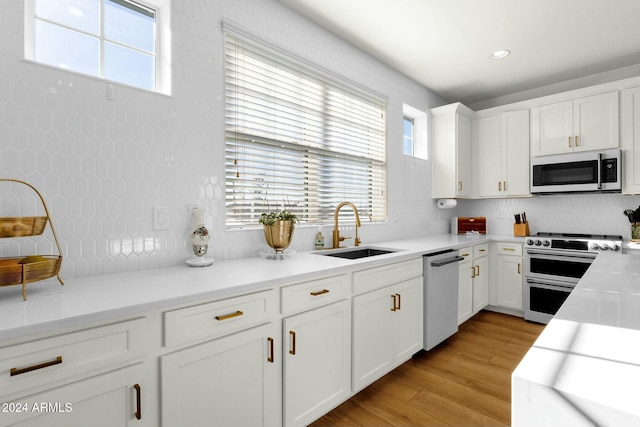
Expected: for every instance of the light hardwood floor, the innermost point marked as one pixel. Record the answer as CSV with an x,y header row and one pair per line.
x,y
465,381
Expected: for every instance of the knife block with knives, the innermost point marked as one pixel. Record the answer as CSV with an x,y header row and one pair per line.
x,y
521,226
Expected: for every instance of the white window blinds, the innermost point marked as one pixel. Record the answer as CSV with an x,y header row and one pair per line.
x,y
299,139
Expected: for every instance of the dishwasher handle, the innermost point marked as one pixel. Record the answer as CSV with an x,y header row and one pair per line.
x,y
457,258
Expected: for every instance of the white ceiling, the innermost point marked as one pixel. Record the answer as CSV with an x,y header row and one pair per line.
x,y
445,44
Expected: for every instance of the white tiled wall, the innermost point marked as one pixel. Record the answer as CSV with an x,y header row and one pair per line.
x,y
562,213
102,165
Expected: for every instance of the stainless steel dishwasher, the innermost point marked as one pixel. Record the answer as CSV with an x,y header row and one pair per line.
x,y
440,296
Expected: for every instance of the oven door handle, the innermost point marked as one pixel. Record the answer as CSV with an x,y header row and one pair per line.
x,y
563,255
550,283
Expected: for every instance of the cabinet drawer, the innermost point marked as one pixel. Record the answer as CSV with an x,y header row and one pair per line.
x,y
61,358
466,253
214,319
481,250
378,277
315,293
504,248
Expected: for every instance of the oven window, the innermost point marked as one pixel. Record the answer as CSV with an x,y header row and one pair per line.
x,y
564,268
585,172
547,301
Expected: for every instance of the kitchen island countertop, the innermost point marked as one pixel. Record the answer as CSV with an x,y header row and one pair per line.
x,y
50,307
584,369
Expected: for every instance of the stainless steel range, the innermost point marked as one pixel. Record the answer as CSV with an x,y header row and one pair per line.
x,y
553,264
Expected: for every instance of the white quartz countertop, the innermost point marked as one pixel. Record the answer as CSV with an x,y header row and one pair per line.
x,y
50,306
584,369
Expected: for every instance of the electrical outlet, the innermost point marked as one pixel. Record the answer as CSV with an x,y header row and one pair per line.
x,y
160,218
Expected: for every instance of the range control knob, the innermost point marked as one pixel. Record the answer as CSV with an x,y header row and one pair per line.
x,y
596,246
529,242
604,247
537,242
546,243
615,247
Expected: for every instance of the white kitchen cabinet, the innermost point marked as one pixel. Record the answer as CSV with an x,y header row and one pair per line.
x,y
387,329
93,376
473,281
630,139
465,285
480,277
509,275
451,152
501,150
233,380
317,362
583,124
116,398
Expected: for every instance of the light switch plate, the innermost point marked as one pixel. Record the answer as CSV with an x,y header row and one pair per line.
x,y
160,218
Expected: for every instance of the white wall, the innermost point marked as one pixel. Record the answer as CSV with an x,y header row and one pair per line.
x,y
102,165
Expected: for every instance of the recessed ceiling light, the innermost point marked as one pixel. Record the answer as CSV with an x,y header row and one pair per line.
x,y
499,54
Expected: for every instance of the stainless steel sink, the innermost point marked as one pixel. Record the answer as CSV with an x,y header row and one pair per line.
x,y
356,253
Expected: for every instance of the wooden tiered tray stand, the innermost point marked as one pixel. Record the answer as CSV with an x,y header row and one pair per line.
x,y
26,269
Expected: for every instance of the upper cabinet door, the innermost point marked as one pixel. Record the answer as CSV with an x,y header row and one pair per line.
x,y
630,140
515,149
489,157
583,124
595,120
552,129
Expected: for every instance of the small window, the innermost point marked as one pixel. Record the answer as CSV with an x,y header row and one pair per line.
x,y
415,132
408,136
115,40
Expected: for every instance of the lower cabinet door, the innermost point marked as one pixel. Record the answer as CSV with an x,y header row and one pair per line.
x,y
372,336
408,321
231,381
387,329
465,291
116,398
481,284
317,362
509,282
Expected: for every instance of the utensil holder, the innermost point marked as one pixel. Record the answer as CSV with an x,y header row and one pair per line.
x,y
521,230
26,269
635,231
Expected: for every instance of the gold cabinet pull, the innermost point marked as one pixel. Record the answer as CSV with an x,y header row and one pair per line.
x,y
473,271
316,293
396,302
17,371
229,316
459,185
271,357
478,270
577,141
504,185
508,249
465,255
499,186
292,350
569,142
482,250
138,401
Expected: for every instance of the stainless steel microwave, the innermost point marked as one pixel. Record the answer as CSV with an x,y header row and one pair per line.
x,y
585,172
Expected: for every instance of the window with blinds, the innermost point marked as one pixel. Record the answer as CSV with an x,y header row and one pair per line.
x,y
298,139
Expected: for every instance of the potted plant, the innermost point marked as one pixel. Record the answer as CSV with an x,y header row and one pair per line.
x,y
278,229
